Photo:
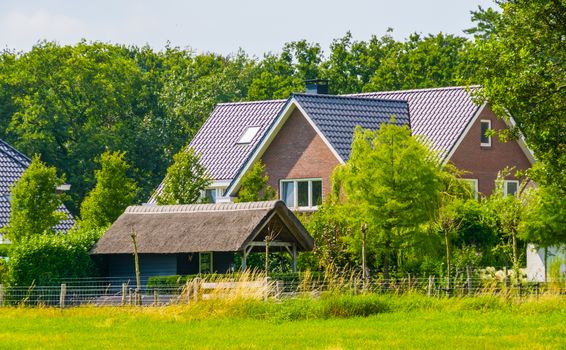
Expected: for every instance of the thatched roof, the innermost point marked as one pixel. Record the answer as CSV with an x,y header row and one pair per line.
x,y
201,228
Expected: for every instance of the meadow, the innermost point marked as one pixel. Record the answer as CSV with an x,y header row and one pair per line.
x,y
334,322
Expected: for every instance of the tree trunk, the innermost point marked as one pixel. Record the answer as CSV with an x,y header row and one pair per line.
x,y
266,256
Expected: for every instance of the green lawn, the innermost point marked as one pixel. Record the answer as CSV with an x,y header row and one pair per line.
x,y
407,323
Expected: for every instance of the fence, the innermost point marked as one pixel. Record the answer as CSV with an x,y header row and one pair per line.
x,y
122,292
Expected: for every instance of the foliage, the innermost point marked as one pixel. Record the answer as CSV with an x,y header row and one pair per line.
x,y
255,185
45,259
34,202
391,183
522,54
113,192
185,180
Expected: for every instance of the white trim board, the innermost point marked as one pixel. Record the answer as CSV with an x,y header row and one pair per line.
x,y
270,135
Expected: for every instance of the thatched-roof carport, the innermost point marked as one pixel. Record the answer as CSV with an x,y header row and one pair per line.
x,y
170,230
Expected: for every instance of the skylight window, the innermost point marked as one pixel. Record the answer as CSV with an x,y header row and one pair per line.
x,y
248,135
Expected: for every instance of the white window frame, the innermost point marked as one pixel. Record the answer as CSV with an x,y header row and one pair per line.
x,y
488,143
505,182
475,184
211,262
296,191
219,193
250,132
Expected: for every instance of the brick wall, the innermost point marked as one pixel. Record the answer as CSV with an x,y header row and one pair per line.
x,y
483,163
298,152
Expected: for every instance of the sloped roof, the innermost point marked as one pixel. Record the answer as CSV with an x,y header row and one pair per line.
x,y
441,115
12,165
227,227
337,116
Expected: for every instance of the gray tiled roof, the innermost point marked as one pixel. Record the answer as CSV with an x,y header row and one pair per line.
x,y
439,114
12,165
337,116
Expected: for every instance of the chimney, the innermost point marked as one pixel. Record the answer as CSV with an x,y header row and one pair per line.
x,y
317,86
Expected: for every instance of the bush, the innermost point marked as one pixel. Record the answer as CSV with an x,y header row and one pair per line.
x,y
46,259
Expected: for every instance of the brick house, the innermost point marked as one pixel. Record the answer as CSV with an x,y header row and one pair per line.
x,y
303,138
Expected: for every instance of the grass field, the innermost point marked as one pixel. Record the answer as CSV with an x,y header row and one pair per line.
x,y
391,322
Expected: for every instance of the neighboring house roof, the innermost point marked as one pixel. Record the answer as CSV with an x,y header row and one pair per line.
x,y
12,165
441,115
228,227
337,116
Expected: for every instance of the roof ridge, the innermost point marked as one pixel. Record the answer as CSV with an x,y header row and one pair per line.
x,y
12,148
352,97
250,102
199,208
459,87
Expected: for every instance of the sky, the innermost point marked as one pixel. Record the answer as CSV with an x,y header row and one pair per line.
x,y
224,26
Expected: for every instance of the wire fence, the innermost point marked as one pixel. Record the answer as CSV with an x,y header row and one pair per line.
x,y
123,291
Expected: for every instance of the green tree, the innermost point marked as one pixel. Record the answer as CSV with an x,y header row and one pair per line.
x,y
255,185
113,192
34,202
522,52
185,180
391,184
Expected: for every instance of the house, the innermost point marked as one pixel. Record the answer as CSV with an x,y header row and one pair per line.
x,y
12,165
303,138
198,238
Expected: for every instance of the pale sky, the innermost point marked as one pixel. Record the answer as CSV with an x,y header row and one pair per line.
x,y
223,26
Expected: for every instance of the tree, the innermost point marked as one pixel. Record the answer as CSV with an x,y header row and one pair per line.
x,y
255,185
34,202
390,183
113,192
185,180
522,54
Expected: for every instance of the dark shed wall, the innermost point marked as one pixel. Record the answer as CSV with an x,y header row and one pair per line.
x,y
122,265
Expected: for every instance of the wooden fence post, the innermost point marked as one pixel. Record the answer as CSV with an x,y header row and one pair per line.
x,y
278,289
196,285
124,293
429,289
1,295
506,282
266,288
469,279
155,297
130,295
62,295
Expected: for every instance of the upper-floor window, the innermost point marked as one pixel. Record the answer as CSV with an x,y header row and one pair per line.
x,y
248,135
473,183
485,126
301,193
510,187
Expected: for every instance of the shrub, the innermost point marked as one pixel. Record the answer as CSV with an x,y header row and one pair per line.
x,y
46,259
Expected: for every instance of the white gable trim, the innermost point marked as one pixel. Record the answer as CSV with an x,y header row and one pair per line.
x,y
463,134
270,136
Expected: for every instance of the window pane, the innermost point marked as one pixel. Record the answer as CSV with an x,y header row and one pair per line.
x,y
205,262
316,193
303,193
511,188
484,128
210,195
288,193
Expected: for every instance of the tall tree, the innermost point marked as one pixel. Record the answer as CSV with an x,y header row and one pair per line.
x,y
34,202
185,181
113,192
390,183
522,52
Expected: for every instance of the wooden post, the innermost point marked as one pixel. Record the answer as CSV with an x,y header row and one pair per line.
x,y
469,279
294,261
137,266
506,282
409,280
130,297
244,258
62,295
266,288
124,293
278,289
1,295
429,289
196,285
155,297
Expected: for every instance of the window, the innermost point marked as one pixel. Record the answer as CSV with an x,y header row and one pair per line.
x,y
248,135
473,185
485,126
510,187
303,193
205,262
210,195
